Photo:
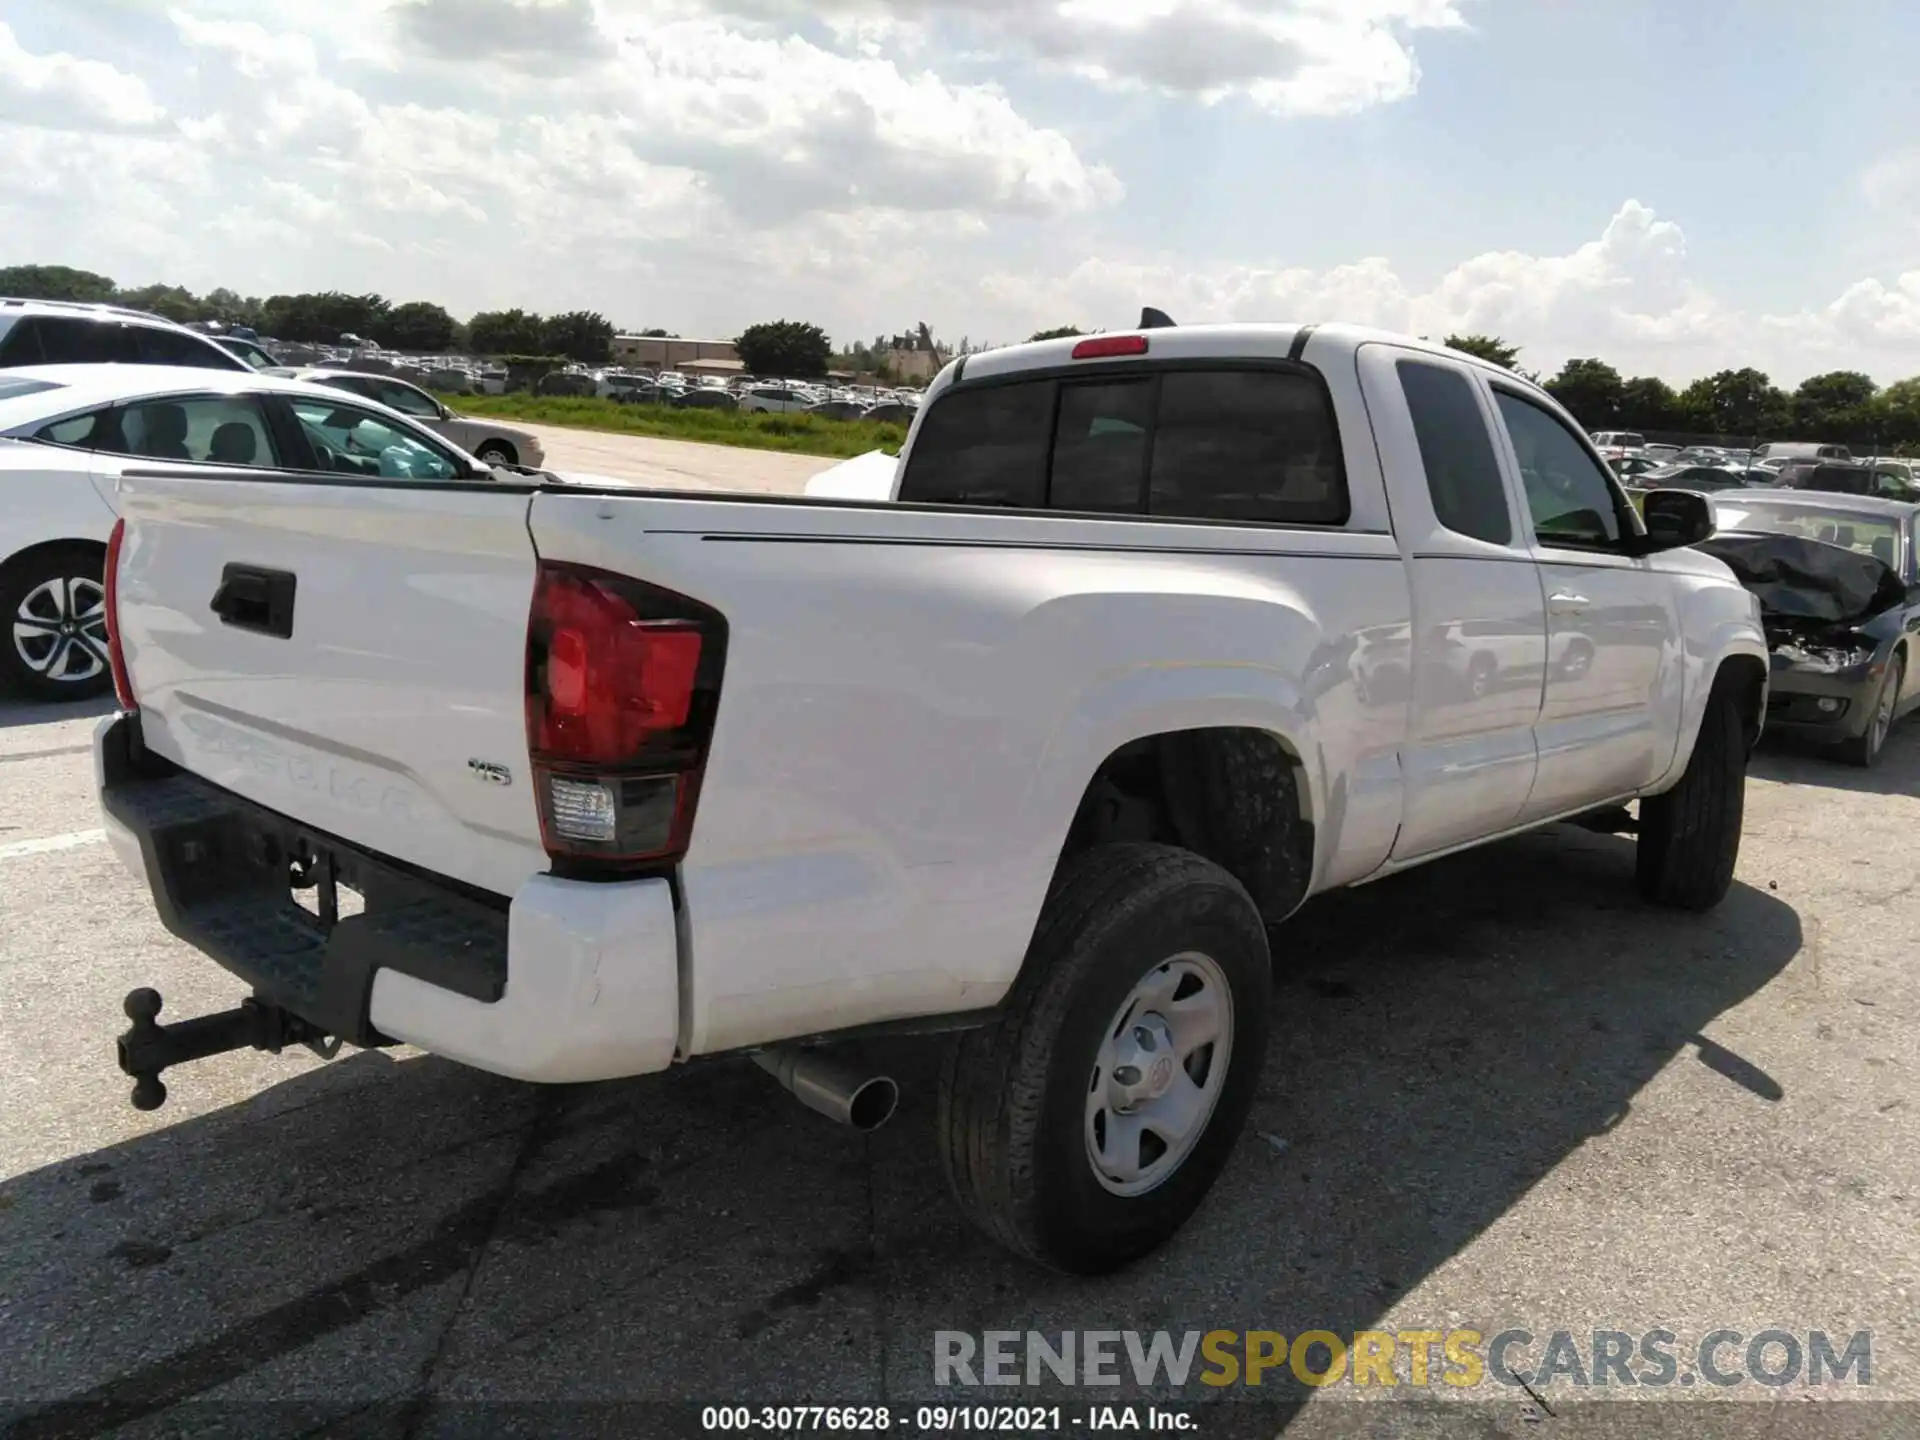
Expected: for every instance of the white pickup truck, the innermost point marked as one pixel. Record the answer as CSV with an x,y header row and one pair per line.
x,y
1156,636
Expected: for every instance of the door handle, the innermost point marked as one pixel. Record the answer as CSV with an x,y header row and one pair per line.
x,y
1564,602
250,598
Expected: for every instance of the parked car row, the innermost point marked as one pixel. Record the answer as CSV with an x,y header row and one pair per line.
x,y
1788,464
779,397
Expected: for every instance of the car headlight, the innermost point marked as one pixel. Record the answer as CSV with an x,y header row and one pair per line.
x,y
1829,659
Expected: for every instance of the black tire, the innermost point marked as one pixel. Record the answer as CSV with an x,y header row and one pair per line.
x,y
62,664
1865,749
1690,836
1013,1104
497,452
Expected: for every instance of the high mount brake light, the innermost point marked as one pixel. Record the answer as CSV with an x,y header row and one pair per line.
x,y
623,682
1107,347
116,657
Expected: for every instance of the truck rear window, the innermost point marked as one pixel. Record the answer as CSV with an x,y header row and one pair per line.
x,y
1246,444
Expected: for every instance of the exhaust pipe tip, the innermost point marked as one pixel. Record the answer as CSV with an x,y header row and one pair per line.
x,y
846,1097
873,1104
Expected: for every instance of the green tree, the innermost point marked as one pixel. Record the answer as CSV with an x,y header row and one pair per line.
x,y
584,335
322,318
417,325
1735,403
1648,403
785,348
1899,411
1840,402
506,332
1059,332
172,301
231,308
54,282
1591,390
1490,348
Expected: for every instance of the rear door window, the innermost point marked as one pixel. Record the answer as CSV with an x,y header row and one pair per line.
x,y
405,399
201,429
1456,450
64,340
1228,444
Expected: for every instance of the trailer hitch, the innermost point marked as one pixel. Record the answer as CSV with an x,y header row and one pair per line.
x,y
149,1047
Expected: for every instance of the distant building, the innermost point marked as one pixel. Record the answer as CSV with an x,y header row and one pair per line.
x,y
912,357
659,352
916,365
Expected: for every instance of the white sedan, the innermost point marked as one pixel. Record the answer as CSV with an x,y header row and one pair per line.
x,y
67,431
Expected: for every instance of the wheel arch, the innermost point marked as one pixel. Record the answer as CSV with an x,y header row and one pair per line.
x,y
27,554
1238,795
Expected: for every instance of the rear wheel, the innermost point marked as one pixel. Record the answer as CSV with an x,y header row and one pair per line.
x,y
1690,836
1865,750
54,607
1085,1126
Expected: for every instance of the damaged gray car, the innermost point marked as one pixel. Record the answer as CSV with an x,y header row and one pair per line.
x,y
1839,596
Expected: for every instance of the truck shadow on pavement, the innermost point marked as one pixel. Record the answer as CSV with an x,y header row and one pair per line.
x,y
382,1230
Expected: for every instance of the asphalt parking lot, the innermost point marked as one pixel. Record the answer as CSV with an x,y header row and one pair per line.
x,y
1502,1093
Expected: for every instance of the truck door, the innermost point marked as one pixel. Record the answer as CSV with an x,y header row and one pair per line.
x,y
1479,618
1610,712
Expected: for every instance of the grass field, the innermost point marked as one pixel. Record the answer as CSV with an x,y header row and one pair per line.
x,y
797,434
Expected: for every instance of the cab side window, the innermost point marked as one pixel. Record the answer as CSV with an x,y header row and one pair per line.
x,y
1572,501
200,430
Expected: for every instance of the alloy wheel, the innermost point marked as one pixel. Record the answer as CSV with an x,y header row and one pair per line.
x,y
60,630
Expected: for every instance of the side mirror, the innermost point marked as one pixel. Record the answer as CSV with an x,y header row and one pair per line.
x,y
1674,519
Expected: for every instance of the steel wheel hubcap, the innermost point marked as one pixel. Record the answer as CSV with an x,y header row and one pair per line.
x,y
1161,1067
60,629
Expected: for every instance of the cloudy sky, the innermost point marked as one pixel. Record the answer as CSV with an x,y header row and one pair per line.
x,y
1675,185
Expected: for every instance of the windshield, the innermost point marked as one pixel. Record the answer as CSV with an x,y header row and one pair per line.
x,y
1867,534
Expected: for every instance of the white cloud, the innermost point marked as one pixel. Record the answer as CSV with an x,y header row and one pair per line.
x,y
1628,296
701,164
62,92
1292,57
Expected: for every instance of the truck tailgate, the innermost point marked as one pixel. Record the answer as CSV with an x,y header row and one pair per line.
x,y
364,668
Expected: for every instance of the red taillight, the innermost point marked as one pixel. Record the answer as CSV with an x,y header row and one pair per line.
x,y
116,657
622,683
1107,347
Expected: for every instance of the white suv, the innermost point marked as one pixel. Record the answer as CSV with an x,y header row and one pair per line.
x,y
62,332
778,399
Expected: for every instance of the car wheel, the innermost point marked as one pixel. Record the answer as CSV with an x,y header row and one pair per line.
x,y
1690,836
1480,673
1086,1124
497,452
1865,750
55,610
